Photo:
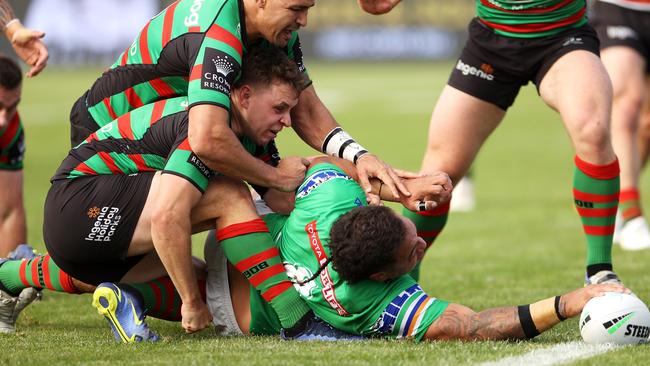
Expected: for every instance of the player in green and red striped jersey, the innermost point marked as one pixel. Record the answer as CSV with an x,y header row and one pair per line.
x,y
511,43
117,184
195,48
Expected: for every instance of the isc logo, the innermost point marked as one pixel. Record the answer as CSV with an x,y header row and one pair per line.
x,y
253,270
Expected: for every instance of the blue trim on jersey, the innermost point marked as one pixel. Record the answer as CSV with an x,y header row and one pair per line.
x,y
389,316
318,178
414,309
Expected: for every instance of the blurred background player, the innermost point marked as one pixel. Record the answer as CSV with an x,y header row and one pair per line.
x,y
13,226
623,28
28,45
511,43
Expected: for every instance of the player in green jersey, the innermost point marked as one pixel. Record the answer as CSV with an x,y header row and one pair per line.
x,y
511,43
195,48
350,263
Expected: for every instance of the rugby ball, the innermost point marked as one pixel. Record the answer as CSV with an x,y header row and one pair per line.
x,y
615,318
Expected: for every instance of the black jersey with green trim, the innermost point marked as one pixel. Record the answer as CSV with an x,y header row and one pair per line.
x,y
150,138
192,48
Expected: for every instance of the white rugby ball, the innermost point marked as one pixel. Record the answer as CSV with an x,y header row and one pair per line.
x,y
615,318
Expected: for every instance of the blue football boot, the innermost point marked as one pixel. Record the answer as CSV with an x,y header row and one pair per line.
x,y
124,311
312,328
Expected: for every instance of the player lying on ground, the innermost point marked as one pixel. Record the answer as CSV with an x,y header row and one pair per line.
x,y
350,263
115,186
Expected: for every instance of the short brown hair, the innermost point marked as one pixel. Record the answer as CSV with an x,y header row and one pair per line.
x,y
264,64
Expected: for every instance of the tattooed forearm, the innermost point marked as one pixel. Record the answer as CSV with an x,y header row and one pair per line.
x,y
461,323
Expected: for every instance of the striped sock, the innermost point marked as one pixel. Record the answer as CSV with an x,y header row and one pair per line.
x,y
161,299
595,192
39,272
249,246
629,203
429,224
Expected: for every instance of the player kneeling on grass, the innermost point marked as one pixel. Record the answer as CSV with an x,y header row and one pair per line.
x,y
350,263
135,185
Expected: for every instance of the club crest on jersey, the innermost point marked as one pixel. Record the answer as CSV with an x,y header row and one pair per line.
x,y
219,70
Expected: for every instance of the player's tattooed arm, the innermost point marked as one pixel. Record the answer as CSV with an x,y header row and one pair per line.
x,y
459,322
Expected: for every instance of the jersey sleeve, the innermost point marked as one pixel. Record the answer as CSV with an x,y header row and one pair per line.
x,y
184,163
216,67
294,52
410,314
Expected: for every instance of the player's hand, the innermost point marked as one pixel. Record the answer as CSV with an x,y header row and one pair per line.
x,y
427,192
571,304
290,173
377,7
29,47
195,317
369,165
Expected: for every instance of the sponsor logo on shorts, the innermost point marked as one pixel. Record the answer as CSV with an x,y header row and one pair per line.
x,y
194,160
106,222
485,71
573,40
621,32
219,70
192,20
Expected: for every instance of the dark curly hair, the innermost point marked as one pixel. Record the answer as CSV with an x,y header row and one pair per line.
x,y
10,74
264,64
364,240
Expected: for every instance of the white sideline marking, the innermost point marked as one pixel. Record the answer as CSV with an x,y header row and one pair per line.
x,y
555,355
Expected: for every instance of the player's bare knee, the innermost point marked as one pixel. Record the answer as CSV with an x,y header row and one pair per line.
x,y
225,191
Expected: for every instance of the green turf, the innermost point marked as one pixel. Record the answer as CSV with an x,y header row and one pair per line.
x,y
523,242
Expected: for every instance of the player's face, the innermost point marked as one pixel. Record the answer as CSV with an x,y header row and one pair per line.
x,y
281,17
9,100
268,111
410,251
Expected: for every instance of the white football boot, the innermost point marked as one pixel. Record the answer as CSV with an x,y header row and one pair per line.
x,y
635,234
463,199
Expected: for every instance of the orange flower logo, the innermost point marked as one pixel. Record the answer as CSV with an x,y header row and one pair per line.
x,y
487,68
93,212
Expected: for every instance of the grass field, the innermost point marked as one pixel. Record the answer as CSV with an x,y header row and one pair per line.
x,y
521,244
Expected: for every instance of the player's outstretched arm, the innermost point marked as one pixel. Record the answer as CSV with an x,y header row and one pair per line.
x,y
26,42
315,125
459,322
378,7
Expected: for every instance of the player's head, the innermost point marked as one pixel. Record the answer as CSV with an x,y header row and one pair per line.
x,y
264,95
277,19
11,78
374,242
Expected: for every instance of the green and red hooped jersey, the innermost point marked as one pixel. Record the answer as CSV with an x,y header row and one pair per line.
x,y
12,145
192,48
398,308
531,18
150,138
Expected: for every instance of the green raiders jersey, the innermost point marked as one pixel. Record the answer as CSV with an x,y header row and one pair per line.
x,y
193,48
398,308
150,138
531,18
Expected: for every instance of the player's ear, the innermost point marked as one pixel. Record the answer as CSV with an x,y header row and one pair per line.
x,y
244,94
379,276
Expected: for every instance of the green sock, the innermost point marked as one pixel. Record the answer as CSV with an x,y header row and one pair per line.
x,y
39,272
595,192
251,249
